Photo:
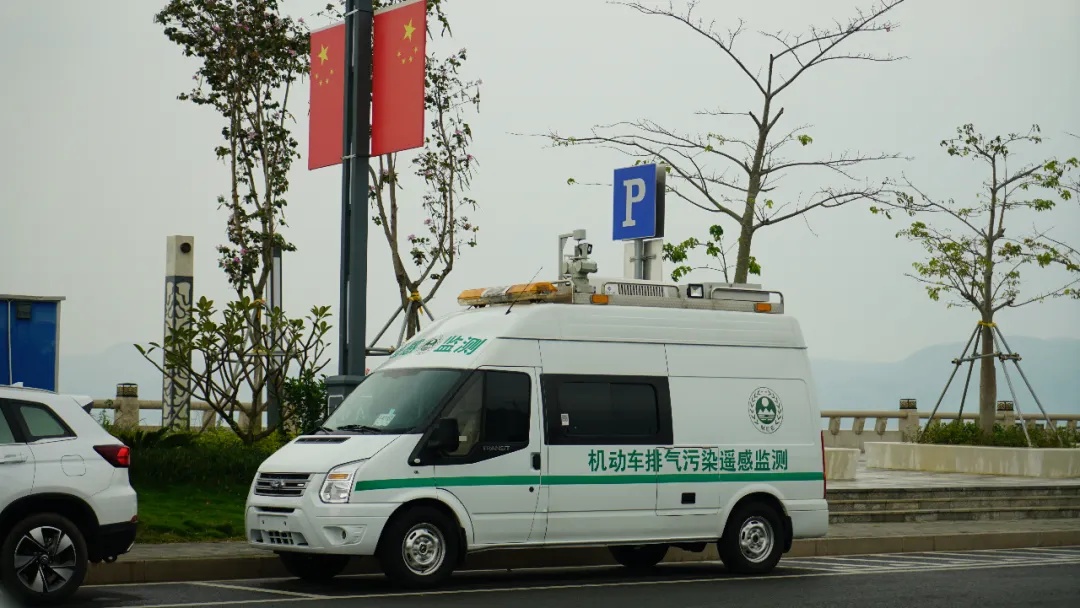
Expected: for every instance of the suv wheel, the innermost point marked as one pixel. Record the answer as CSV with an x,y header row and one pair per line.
x,y
43,559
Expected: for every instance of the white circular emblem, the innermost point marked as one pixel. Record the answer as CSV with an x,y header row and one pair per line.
x,y
766,411
428,344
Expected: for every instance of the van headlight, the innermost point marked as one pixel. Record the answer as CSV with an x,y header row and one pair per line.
x,y
338,485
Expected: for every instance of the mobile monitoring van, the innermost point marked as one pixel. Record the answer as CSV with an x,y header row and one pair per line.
x,y
628,414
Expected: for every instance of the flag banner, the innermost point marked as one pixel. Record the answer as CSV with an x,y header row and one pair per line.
x,y
397,85
326,114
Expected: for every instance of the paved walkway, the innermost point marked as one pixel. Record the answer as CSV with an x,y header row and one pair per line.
x,y
885,479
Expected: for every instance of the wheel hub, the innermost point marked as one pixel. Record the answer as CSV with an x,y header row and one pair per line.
x,y
423,549
45,559
756,539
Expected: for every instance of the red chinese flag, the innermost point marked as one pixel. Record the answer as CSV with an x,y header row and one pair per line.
x,y
326,114
397,84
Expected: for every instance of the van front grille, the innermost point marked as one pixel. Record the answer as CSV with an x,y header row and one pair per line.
x,y
281,484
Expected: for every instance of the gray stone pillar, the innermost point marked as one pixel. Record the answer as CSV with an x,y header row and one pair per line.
x,y
910,425
126,406
179,295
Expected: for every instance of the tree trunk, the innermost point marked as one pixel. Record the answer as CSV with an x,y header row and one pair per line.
x,y
746,232
987,381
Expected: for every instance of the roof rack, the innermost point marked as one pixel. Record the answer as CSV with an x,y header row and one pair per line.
x,y
575,286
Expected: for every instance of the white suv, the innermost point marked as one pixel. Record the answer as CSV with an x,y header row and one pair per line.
x,y
65,499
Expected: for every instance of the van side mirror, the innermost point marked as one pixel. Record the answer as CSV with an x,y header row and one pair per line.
x,y
445,437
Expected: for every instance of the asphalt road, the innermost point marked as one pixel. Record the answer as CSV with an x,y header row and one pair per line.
x,y
1015,577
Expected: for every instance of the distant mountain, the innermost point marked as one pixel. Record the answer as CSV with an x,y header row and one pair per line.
x,y
1052,366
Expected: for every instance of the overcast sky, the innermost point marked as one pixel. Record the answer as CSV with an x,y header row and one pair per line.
x,y
101,162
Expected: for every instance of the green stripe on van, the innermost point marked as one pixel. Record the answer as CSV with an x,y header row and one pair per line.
x,y
583,480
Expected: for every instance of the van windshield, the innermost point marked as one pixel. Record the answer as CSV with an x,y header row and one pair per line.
x,y
393,401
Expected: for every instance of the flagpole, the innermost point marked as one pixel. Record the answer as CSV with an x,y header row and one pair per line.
x,y
359,16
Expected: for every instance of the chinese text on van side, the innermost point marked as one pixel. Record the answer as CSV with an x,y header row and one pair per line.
x,y
688,460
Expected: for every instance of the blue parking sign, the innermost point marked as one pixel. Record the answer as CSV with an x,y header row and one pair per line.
x,y
638,203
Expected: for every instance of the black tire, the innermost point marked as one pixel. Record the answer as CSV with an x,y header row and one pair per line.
x,y
639,557
431,541
43,560
761,526
313,568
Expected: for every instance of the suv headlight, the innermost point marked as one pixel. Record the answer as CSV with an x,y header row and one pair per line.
x,y
338,485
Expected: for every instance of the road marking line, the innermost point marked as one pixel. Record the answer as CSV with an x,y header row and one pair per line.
x,y
623,583
862,562
1038,552
258,590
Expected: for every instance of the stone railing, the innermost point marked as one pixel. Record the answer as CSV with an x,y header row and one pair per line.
x,y
128,410
909,420
887,425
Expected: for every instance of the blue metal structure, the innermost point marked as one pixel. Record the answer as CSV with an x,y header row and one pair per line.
x,y
30,340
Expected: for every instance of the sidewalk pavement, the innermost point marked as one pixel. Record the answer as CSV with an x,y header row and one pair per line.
x,y
182,562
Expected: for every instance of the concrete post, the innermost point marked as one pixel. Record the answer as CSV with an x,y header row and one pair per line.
x,y
126,406
909,427
1006,407
179,295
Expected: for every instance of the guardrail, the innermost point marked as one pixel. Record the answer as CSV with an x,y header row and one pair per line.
x,y
888,425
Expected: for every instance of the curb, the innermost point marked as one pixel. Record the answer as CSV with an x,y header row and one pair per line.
x,y
246,567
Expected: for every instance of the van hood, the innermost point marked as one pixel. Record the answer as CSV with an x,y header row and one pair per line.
x,y
320,453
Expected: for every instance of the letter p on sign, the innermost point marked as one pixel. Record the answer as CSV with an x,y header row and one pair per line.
x,y
635,193
638,203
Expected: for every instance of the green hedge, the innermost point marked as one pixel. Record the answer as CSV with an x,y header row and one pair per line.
x,y
213,459
969,433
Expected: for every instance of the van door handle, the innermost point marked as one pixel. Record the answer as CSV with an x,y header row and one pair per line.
x,y
13,459
536,461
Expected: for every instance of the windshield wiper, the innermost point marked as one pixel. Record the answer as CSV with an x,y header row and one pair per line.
x,y
359,428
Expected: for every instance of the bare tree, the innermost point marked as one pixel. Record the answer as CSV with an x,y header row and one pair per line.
x,y
973,260
752,166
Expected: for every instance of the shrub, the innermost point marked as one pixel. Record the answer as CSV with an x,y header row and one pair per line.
x,y
213,459
306,398
957,432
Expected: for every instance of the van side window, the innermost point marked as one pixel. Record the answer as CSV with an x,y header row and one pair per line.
x,y
613,410
491,409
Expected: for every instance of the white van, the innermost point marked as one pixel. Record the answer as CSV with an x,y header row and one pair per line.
x,y
629,414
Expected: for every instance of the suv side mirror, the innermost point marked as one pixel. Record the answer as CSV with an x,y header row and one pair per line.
x,y
445,437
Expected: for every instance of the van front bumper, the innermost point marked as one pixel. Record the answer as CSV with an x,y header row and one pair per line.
x,y
307,526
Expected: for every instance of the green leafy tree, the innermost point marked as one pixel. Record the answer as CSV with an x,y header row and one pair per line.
x,y
249,56
225,363
974,258
442,170
737,176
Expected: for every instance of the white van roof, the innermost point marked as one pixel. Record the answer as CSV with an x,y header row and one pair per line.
x,y
598,323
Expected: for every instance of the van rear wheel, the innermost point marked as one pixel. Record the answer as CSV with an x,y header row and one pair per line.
x,y
313,568
752,542
639,557
419,548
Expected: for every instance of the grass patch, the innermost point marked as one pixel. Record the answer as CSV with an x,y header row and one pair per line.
x,y
187,513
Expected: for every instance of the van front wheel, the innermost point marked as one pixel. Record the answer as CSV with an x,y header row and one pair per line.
x,y
639,557
752,541
419,548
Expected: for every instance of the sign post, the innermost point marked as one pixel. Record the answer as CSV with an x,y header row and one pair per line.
x,y
638,210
